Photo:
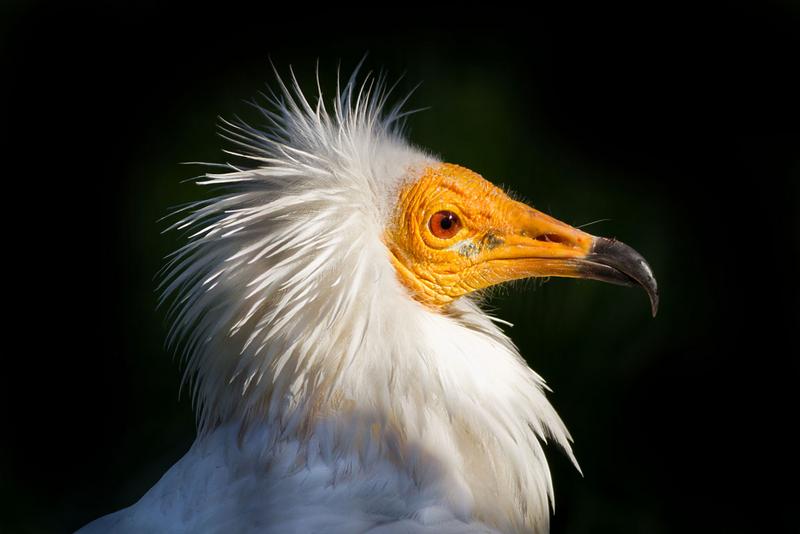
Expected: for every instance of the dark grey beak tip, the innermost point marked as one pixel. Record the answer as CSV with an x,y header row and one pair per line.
x,y
645,278
614,261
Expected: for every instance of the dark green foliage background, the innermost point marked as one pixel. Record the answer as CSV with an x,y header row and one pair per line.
x,y
677,123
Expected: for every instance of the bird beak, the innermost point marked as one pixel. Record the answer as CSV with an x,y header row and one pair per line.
x,y
533,244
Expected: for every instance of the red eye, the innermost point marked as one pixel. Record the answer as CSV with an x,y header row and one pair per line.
x,y
445,224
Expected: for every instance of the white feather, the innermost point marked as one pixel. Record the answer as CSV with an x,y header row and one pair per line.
x,y
328,399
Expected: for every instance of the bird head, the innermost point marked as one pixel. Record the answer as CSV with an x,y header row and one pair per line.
x,y
333,223
453,232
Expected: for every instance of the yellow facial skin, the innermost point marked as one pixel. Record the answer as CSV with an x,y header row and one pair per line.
x,y
500,239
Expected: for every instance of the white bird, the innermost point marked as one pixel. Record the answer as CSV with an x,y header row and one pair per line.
x,y
345,377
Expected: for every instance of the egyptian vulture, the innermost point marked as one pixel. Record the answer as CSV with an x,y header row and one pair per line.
x,y
344,375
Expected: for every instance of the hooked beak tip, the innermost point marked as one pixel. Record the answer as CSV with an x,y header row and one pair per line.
x,y
615,262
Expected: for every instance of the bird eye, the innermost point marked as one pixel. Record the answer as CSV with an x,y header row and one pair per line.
x,y
445,224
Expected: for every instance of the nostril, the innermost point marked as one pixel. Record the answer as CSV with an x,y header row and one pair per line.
x,y
550,238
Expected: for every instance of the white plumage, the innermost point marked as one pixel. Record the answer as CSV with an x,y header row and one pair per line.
x,y
328,399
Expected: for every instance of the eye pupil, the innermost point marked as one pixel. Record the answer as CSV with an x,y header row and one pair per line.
x,y
445,224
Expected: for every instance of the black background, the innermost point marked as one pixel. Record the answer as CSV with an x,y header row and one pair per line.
x,y
679,122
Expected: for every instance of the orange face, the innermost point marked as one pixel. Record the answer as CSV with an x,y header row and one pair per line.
x,y
453,232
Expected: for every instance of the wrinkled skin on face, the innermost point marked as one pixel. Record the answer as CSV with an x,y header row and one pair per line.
x,y
453,232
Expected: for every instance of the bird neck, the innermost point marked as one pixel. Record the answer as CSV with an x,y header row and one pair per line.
x,y
442,395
